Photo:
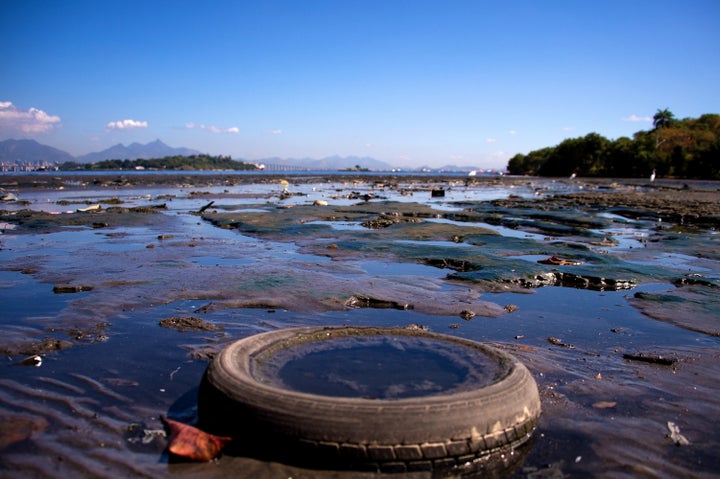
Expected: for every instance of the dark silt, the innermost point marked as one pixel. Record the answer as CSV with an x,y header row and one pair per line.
x,y
576,278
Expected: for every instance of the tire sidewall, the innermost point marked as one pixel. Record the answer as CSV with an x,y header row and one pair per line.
x,y
512,401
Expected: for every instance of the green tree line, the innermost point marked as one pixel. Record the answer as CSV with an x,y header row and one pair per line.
x,y
178,162
686,148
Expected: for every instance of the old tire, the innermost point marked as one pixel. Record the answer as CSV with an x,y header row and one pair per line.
x,y
387,434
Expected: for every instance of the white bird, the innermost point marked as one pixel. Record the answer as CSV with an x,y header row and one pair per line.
x,y
652,176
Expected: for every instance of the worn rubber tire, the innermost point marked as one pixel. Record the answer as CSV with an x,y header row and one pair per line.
x,y
398,434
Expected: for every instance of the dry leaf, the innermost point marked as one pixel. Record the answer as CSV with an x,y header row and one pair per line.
x,y
192,443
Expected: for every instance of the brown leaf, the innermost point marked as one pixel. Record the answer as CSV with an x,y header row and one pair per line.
x,y
192,443
18,427
604,404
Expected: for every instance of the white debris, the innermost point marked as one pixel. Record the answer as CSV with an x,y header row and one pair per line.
x,y
675,435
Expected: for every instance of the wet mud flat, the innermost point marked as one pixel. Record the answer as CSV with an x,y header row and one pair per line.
x,y
122,287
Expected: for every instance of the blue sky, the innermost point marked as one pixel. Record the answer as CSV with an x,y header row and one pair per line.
x,y
411,83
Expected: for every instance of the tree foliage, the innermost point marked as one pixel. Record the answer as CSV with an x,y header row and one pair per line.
x,y
178,162
663,118
687,148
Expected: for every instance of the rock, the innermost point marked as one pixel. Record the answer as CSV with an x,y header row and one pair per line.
x,y
188,323
509,308
559,342
467,314
358,301
560,261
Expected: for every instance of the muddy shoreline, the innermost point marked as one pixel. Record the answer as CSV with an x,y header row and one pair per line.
x,y
689,198
576,278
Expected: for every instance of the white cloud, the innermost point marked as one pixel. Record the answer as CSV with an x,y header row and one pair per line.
x,y
490,140
126,125
212,128
32,121
634,117
569,128
276,132
512,132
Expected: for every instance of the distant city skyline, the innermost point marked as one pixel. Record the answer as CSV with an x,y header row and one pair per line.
x,y
410,83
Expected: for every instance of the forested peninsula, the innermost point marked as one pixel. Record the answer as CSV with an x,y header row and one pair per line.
x,y
178,162
685,148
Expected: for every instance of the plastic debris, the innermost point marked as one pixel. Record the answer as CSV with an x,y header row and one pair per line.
x,y
675,435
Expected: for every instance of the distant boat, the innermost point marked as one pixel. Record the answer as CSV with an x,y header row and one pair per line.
x,y
472,173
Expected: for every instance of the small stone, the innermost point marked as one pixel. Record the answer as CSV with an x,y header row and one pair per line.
x,y
467,314
509,308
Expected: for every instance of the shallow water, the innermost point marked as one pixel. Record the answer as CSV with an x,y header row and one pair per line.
x,y
376,368
95,405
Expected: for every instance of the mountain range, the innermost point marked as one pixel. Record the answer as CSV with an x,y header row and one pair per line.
x,y
29,152
32,152
134,151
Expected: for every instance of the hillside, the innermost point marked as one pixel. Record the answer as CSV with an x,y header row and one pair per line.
x,y
26,152
686,148
134,151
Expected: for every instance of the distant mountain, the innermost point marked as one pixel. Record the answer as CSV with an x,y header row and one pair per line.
x,y
31,152
134,151
330,163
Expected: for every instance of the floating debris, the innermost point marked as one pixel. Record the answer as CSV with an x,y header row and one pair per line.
x,y
358,301
90,208
30,361
675,435
203,208
650,358
8,196
70,289
559,342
